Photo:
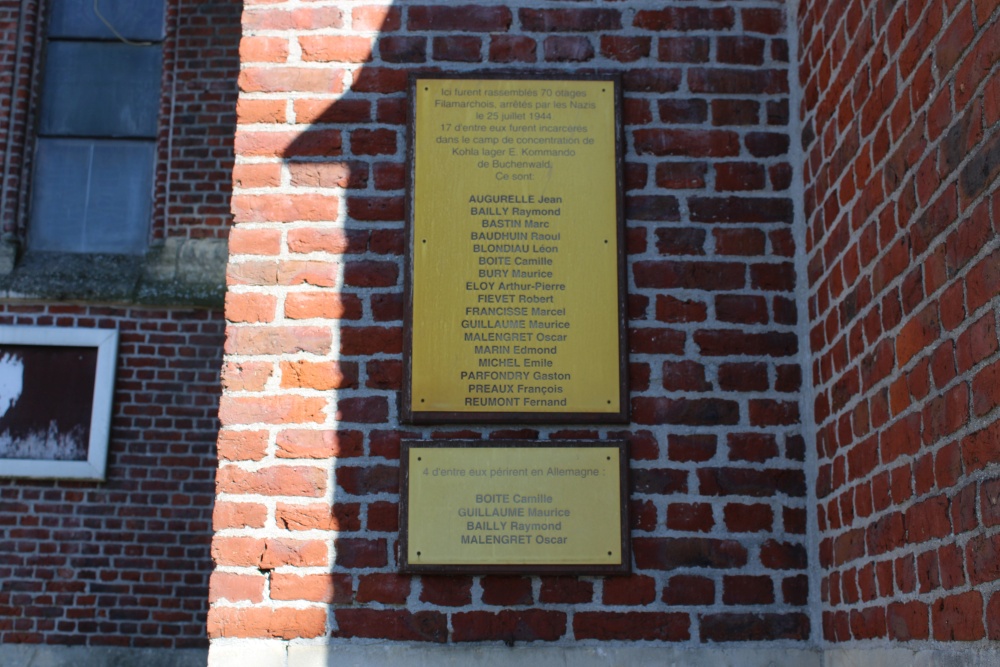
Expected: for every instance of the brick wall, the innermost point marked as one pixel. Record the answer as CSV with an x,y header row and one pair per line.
x,y
306,514
16,66
901,107
196,147
126,562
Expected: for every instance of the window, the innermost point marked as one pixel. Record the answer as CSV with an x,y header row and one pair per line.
x,y
96,148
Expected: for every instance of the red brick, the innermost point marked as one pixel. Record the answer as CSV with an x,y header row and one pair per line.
x,y
448,592
321,375
326,588
268,554
370,340
993,616
745,589
908,621
248,376
380,80
565,590
372,410
977,343
465,18
625,49
683,50
272,410
684,411
670,309
690,517
688,143
258,622
685,18
368,480
242,445
318,444
868,623
383,517
318,516
757,483
356,552
691,448
267,18
980,448
958,617
748,518
983,559
273,481
680,175
383,18
263,50
236,587
385,588
284,208
400,625
311,143
569,20
335,48
509,626
291,79
322,305
398,49
635,626
506,591
353,174
742,309
244,241
632,590
738,112
238,515
662,553
512,49
776,555
684,376
757,627
689,590
743,377
659,80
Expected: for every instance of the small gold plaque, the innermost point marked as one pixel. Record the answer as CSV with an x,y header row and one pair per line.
x,y
514,507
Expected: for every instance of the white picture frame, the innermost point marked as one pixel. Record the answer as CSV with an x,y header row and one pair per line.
x,y
61,365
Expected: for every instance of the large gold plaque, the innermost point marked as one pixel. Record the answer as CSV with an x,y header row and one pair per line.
x,y
525,507
515,285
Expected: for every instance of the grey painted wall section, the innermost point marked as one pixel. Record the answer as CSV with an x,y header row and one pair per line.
x,y
275,653
33,655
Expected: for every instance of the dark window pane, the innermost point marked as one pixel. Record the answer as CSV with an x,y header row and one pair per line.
x,y
92,195
133,19
97,89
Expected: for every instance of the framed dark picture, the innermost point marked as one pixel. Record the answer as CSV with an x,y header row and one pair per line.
x,y
56,387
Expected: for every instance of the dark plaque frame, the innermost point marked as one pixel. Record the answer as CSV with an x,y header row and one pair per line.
x,y
624,568
408,414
